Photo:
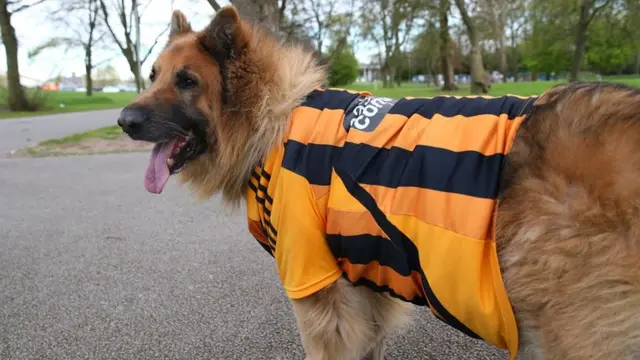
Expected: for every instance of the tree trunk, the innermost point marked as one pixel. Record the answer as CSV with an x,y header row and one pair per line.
x,y
17,98
504,66
581,41
214,4
637,71
478,75
445,47
133,66
88,66
387,78
265,12
478,79
434,75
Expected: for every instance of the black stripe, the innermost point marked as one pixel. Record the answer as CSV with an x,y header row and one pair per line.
x,y
266,247
253,187
265,174
261,187
329,99
450,106
268,223
403,244
365,248
266,194
313,162
255,175
467,172
417,300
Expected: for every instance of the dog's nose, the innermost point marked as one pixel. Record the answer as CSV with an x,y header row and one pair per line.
x,y
131,119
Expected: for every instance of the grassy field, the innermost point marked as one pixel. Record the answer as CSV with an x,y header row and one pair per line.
x,y
106,133
60,102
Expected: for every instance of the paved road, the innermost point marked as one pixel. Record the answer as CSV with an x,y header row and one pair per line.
x,y
94,267
21,132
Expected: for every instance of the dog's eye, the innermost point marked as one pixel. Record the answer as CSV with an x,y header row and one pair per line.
x,y
152,76
185,83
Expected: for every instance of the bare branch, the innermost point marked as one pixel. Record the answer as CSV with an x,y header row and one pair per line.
x,y
597,9
105,15
27,6
145,7
214,5
99,63
155,42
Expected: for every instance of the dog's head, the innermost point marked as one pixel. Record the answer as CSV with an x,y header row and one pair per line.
x,y
200,109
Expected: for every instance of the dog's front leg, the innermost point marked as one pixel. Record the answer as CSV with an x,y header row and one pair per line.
x,y
334,323
347,323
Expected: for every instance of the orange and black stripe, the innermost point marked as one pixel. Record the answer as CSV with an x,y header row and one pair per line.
x,y
263,231
389,163
395,194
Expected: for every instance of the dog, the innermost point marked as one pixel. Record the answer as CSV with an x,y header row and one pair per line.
x,y
515,220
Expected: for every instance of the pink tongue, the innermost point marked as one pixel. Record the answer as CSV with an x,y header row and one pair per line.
x,y
158,171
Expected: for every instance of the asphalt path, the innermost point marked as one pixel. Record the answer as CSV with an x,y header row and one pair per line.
x,y
94,267
29,131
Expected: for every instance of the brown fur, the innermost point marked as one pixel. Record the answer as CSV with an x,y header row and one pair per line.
x,y
568,227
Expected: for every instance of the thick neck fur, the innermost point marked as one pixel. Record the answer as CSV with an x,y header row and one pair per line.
x,y
296,75
282,75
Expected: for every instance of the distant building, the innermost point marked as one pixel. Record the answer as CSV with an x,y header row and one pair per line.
x,y
369,72
72,83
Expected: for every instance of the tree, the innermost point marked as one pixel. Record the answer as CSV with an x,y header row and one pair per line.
x,y
343,68
389,23
478,75
445,46
107,76
611,46
516,22
428,52
81,18
494,12
17,98
546,46
128,16
588,9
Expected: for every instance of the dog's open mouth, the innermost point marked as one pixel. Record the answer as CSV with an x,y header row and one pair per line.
x,y
167,158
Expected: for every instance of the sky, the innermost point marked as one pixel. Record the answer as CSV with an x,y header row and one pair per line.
x,y
33,28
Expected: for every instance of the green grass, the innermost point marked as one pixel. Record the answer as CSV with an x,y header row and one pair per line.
x,y
62,102
497,89
106,133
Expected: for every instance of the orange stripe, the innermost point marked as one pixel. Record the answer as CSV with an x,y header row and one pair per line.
x,y
472,97
319,191
482,133
366,93
309,125
406,286
465,215
350,223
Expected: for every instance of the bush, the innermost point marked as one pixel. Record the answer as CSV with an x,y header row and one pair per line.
x,y
343,68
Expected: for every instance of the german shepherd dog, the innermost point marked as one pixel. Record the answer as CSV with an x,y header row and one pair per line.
x,y
565,230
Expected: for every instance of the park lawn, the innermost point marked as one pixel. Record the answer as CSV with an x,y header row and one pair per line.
x,y
105,133
62,102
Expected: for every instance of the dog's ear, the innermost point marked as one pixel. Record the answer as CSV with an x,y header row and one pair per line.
x,y
179,24
224,38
